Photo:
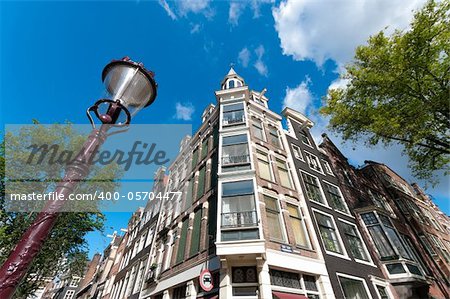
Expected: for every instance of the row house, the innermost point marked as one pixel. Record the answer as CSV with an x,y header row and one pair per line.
x,y
265,212
387,210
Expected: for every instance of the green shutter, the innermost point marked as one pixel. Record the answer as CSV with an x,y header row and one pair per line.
x,y
182,243
194,158
201,182
214,170
205,147
195,239
189,193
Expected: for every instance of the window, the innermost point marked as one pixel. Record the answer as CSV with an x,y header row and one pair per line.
x,y
297,152
233,114
182,241
264,168
231,84
382,292
195,238
328,233
274,139
353,288
179,292
313,188
75,281
304,137
273,217
353,237
336,200
285,279
384,236
238,211
327,167
440,246
313,162
283,172
257,129
245,281
69,294
380,201
235,155
298,226
201,182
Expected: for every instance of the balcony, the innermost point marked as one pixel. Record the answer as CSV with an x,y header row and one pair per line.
x,y
233,160
239,219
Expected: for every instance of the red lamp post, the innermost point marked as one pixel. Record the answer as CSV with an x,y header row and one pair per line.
x,y
131,88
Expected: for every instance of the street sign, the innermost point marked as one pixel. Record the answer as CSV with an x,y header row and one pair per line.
x,y
206,281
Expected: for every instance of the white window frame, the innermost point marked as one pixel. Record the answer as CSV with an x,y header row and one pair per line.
x,y
327,167
325,204
280,214
303,223
370,261
307,137
296,148
347,210
308,161
77,281
289,171
269,158
353,278
69,294
344,253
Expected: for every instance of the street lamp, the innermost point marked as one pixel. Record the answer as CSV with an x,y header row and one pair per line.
x,y
130,87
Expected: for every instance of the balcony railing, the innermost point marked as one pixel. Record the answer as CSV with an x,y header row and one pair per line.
x,y
239,219
233,120
231,160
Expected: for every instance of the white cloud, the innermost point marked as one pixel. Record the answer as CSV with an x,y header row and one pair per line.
x,y
299,98
184,111
319,30
195,28
184,7
259,65
244,57
235,11
167,8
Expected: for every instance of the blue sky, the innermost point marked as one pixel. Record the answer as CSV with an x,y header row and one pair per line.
x,y
52,55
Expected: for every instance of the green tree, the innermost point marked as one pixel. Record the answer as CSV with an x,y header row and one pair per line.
x,y
67,240
398,90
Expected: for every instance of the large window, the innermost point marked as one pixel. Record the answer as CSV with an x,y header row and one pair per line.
x,y
257,129
264,167
313,188
329,233
353,237
235,155
233,114
274,139
385,236
336,200
298,226
273,218
379,237
283,172
238,211
353,288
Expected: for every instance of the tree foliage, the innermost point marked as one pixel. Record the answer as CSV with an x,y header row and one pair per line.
x,y
398,90
67,240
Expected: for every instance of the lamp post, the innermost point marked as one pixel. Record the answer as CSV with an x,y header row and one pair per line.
x,y
131,87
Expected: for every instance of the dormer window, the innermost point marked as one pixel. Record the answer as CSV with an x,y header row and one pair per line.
x,y
231,84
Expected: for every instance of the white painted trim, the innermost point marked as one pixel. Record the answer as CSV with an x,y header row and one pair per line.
x,y
354,278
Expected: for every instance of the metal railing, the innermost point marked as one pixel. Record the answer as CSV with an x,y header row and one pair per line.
x,y
239,219
234,120
241,159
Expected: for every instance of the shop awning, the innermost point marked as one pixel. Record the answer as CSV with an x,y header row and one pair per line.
x,y
281,295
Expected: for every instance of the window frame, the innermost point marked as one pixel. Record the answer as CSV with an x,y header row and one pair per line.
x,y
325,203
279,213
300,218
344,253
297,149
269,164
285,162
308,161
352,277
369,261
